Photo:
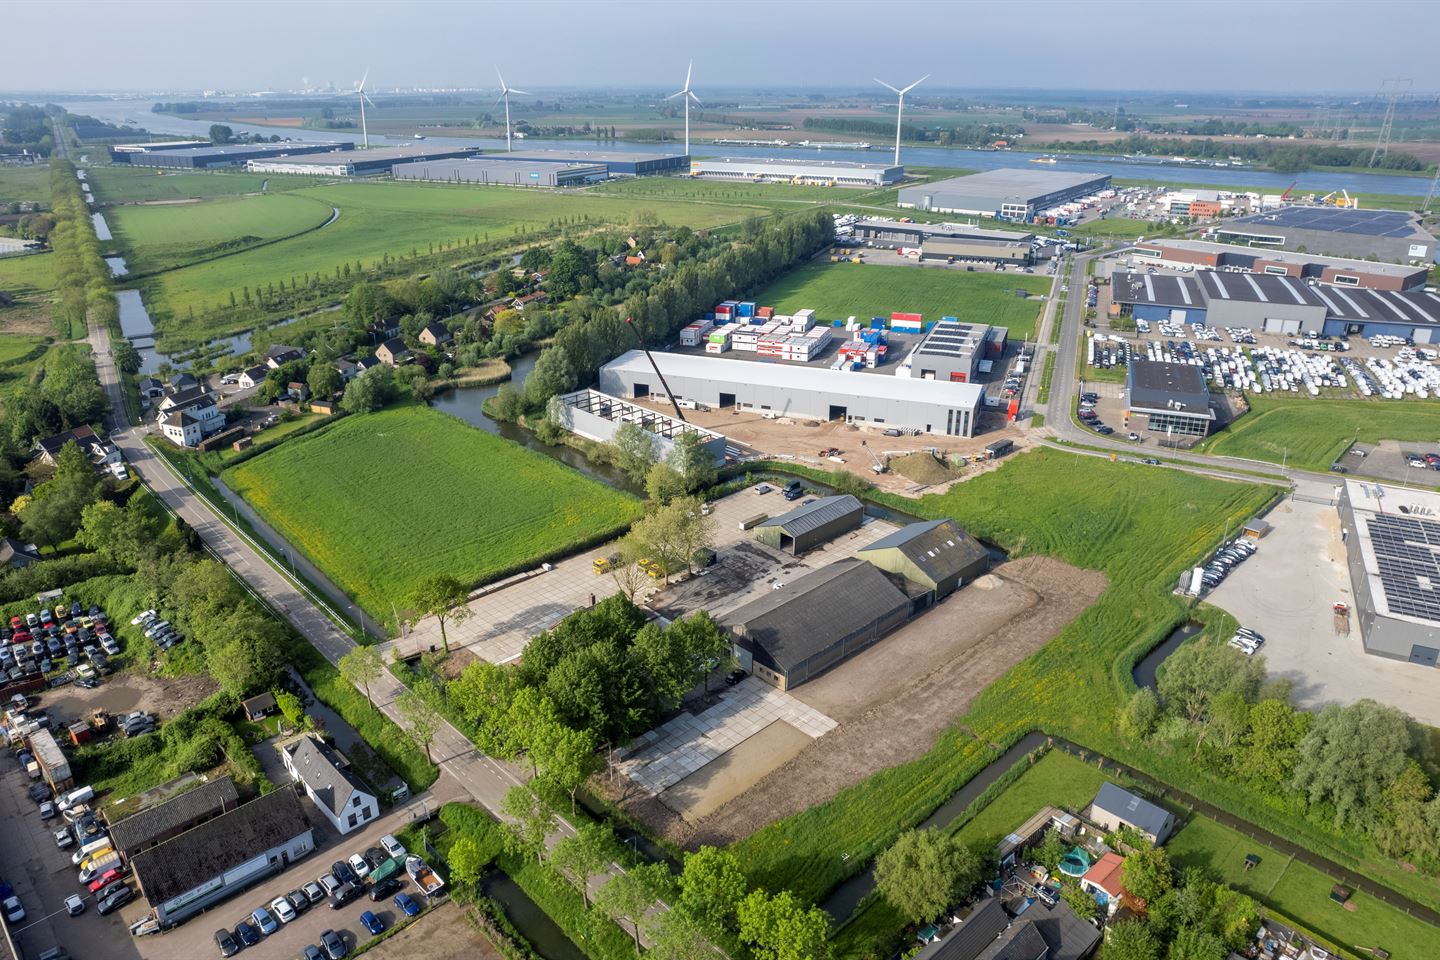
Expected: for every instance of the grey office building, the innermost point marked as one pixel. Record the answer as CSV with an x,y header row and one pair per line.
x,y
951,351
617,163
805,392
215,156
1392,235
1172,397
1392,544
1006,194
505,173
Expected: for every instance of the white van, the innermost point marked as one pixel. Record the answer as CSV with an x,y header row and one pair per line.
x,y
82,795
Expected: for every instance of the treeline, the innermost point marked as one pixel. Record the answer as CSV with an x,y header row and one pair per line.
x,y
1359,767
82,279
599,334
25,127
967,134
1284,156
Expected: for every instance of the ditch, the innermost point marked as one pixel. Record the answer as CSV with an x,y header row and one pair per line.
x,y
542,933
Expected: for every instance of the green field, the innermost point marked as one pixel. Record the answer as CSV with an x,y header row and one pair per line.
x,y
839,290
163,236
25,183
1114,227
713,191
30,282
17,347
395,218
380,501
1309,433
122,184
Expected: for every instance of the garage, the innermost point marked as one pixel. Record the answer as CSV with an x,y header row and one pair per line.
x,y
1280,325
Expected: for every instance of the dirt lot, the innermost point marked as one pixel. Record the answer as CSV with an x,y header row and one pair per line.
x,y
894,699
124,692
442,934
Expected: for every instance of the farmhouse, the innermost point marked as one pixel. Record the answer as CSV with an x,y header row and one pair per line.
x,y
805,627
168,819
254,376
937,555
808,526
393,352
434,334
222,856
1114,808
341,797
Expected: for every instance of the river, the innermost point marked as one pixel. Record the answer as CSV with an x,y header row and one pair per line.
x,y
1308,181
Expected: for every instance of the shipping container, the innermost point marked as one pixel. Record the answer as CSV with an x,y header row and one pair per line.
x,y
747,308
754,521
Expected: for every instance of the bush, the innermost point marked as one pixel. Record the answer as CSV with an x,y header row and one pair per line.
x,y
25,583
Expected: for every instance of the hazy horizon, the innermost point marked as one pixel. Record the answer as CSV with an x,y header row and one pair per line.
x,y
1281,48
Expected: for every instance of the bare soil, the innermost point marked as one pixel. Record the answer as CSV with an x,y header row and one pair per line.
x,y
441,934
125,692
895,699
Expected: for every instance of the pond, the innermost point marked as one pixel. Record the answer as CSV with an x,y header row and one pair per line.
x,y
1144,672
102,229
117,266
534,925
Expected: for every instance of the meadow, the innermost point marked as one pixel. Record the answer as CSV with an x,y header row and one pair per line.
x,y
839,290
30,282
25,183
126,184
379,219
164,236
382,500
1309,433
715,191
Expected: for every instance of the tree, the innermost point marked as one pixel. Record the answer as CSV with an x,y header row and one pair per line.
x,y
1131,940
783,928
324,380
420,719
677,937
635,450
691,460
925,871
1404,832
1197,673
53,514
370,391
565,757
1350,756
250,657
694,529
663,483
583,856
1197,943
117,533
484,692
443,597
1081,902
1138,716
220,133
625,568
626,896
467,861
1147,873
361,667
706,646
1051,849
711,886
1229,720
528,821
290,708
1271,746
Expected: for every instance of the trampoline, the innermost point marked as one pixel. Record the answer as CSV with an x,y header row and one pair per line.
x,y
1075,863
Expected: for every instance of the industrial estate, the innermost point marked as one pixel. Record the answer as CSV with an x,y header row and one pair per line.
x,y
431,525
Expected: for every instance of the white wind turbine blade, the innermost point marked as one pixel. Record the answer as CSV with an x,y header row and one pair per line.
x,y
523,93
502,81
360,87
678,93
913,85
695,98
887,86
688,70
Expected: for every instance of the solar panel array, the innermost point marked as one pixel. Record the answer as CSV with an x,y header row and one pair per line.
x,y
1369,223
1407,552
953,339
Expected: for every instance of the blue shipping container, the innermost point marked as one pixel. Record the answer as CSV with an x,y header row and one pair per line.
x,y
747,309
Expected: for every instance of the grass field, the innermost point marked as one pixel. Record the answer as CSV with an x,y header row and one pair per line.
x,y
30,281
1114,227
17,347
1310,433
380,501
120,184
394,218
25,183
713,191
163,236
839,290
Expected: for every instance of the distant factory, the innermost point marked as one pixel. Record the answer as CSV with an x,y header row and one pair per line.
x,y
1392,235
358,163
496,171
818,173
213,156
950,241
1341,271
616,163
1004,194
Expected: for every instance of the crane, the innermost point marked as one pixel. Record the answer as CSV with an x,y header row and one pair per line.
x,y
1286,195
656,367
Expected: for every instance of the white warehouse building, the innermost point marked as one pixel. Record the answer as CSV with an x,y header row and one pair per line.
x,y
820,173
812,393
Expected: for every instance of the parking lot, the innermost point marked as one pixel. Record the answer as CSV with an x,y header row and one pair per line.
x,y
1286,592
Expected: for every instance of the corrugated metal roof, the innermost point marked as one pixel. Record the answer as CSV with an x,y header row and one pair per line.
x,y
938,547
815,515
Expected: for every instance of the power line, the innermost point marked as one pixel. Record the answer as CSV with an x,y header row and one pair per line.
x,y
1396,88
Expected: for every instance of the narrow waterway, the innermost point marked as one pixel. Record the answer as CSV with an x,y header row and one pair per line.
x,y
533,923
1144,672
102,229
134,318
117,266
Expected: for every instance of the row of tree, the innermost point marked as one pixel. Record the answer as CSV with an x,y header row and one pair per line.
x,y
1285,156
974,134
1358,766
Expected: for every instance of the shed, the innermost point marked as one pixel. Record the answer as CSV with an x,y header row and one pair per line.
x,y
1114,807
259,706
1256,529
997,449
936,555
326,407
807,527
244,443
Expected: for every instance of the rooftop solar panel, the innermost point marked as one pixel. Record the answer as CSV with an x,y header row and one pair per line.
x,y
1407,555
1370,223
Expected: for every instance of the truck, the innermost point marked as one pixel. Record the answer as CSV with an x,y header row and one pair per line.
x,y
97,864
426,879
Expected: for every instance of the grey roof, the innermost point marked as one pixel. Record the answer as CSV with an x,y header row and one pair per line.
x,y
186,397
1021,941
1156,385
1365,223
15,554
1258,288
1017,185
1133,809
216,846
948,231
1276,255
587,156
278,350
1067,936
257,372
140,828
1354,304
814,515
972,937
806,616
951,338
261,701
331,785
1159,289
793,163
252,149
938,547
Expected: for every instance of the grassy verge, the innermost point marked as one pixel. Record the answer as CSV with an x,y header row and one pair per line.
x,y
1310,433
1047,374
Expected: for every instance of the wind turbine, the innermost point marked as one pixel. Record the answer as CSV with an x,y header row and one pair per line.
x,y
688,95
364,98
505,95
900,108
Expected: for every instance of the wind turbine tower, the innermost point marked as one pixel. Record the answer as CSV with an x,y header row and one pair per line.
x,y
364,98
688,95
505,95
900,108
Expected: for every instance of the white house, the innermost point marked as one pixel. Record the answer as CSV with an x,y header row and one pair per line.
x,y
253,377
336,792
186,426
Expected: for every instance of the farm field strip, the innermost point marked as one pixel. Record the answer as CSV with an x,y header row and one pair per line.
x,y
1309,433
158,237
124,184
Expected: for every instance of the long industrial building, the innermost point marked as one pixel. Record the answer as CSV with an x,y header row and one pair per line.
x,y
1005,194
1341,271
928,406
820,173
617,163
359,163
596,416
215,156
1392,543
493,171
950,240
1273,304
1392,235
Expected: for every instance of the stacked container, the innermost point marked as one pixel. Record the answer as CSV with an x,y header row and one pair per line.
x,y
718,340
694,334
746,309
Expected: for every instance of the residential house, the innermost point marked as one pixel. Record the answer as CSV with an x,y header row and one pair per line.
x,y
635,259
393,352
297,391
1114,808
520,303
95,447
150,387
14,554
279,354
258,707
324,775
368,362
253,376
181,381
435,334
382,330
1103,881
347,369
169,818
182,399
187,426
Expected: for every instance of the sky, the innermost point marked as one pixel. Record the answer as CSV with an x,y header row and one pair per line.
x,y
1182,45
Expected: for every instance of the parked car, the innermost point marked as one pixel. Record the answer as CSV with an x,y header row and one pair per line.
x,y
314,892
47,810
14,910
115,899
74,905
343,872
344,894
282,908
312,952
64,839
264,921
299,901
360,866
383,889
246,933
227,943
392,846
372,923
407,904
328,883
334,947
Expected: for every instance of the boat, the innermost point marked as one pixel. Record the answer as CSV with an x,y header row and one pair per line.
x,y
426,879
836,144
1043,160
